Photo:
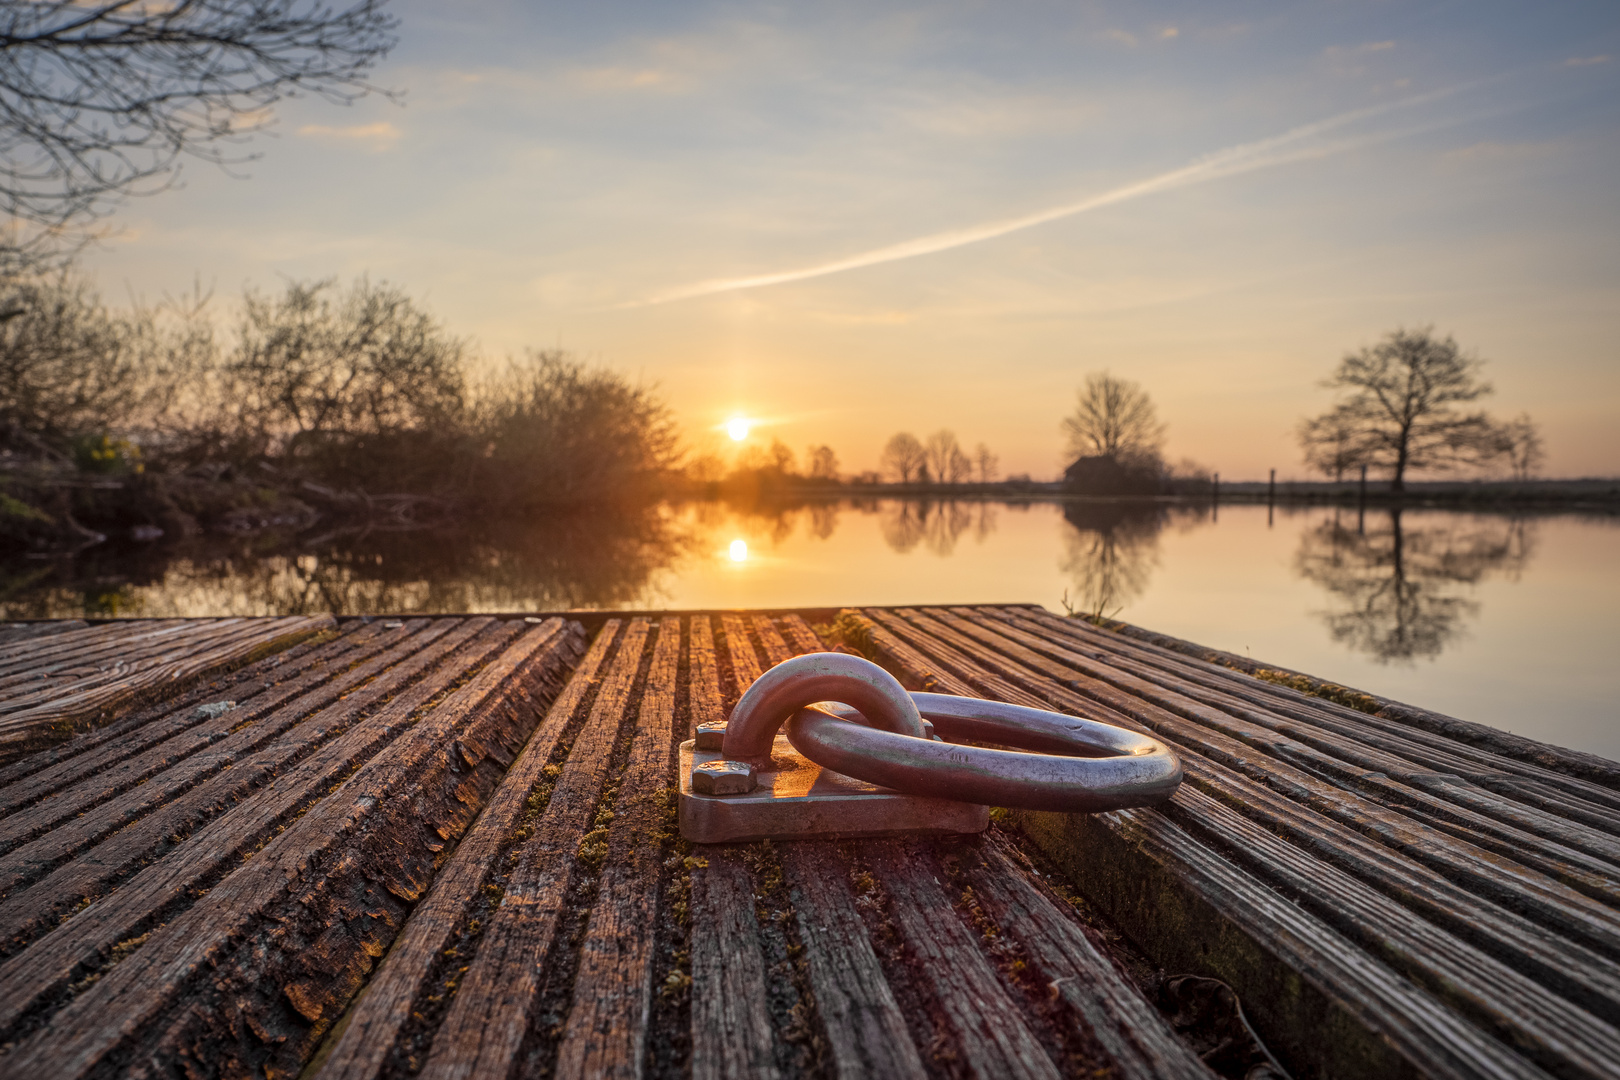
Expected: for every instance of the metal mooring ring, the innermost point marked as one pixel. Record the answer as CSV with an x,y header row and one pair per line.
x,y
805,680
1137,771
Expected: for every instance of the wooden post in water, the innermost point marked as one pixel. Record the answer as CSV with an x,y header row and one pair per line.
x,y
1271,498
1361,503
1215,497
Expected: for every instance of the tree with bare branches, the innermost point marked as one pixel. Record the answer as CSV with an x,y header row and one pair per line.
x,y
102,99
1403,409
1114,418
947,464
904,458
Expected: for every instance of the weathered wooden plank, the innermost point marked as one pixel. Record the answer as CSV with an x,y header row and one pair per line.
x,y
1561,1037
1005,1052
915,670
992,1037
373,1029
1591,767
97,700
116,795
800,636
1533,784
1389,776
607,1025
289,673
130,671
703,705
1245,748
489,1018
866,1033
935,646
1322,1004
732,1036
352,852
50,963
731,1026
12,633
90,643
129,651
1138,1042
1572,969
88,875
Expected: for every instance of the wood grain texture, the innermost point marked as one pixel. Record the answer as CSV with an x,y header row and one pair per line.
x,y
284,675
607,1026
866,1033
1138,1042
306,888
144,900
372,1030
994,1041
490,1016
1267,757
142,673
732,1037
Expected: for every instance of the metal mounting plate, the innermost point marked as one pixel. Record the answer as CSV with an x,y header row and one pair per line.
x,y
799,800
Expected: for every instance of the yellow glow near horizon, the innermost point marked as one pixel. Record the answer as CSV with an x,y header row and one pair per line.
x,y
737,427
739,551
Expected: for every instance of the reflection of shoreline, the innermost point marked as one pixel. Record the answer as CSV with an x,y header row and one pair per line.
x,y
1112,548
1399,587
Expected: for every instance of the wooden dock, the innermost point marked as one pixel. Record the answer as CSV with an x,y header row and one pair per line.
x,y
445,847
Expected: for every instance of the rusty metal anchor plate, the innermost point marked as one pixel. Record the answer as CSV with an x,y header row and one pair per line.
x,y
796,799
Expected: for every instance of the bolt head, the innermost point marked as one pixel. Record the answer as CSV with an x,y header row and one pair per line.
x,y
723,778
712,735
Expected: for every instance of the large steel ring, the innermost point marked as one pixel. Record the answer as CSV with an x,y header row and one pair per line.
x,y
804,680
1136,771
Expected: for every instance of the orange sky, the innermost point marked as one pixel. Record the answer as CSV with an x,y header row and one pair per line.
x,y
960,212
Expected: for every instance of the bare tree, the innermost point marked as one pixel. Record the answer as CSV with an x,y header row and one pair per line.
x,y
368,362
1402,410
1521,445
904,458
986,464
1333,443
1114,418
98,97
823,463
946,462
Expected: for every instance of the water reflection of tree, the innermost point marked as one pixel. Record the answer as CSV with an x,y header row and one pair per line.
x,y
1110,553
1399,588
602,558
935,524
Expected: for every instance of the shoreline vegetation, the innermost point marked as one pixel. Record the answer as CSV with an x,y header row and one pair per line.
x,y
323,412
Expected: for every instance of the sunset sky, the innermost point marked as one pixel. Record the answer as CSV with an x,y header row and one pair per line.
x,y
849,220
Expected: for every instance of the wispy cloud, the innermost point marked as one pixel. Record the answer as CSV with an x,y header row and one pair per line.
x,y
1585,61
378,136
1247,157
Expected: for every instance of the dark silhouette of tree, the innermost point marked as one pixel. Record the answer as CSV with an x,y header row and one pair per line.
x,y
1114,418
947,464
986,464
1521,445
1400,591
823,463
1402,410
904,458
97,98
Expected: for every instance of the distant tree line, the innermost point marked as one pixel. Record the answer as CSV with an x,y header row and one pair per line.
x,y
941,460
317,393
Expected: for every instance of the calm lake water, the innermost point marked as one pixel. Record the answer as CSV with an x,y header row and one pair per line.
x,y
1509,621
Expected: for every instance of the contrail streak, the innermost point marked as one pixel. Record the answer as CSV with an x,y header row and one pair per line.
x,y
1247,157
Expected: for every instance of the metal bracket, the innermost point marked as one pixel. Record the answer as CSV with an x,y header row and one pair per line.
x,y
796,799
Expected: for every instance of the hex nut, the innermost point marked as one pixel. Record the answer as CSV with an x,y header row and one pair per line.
x,y
712,735
723,778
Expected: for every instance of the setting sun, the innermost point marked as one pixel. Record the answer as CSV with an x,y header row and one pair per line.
x,y
737,428
739,551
